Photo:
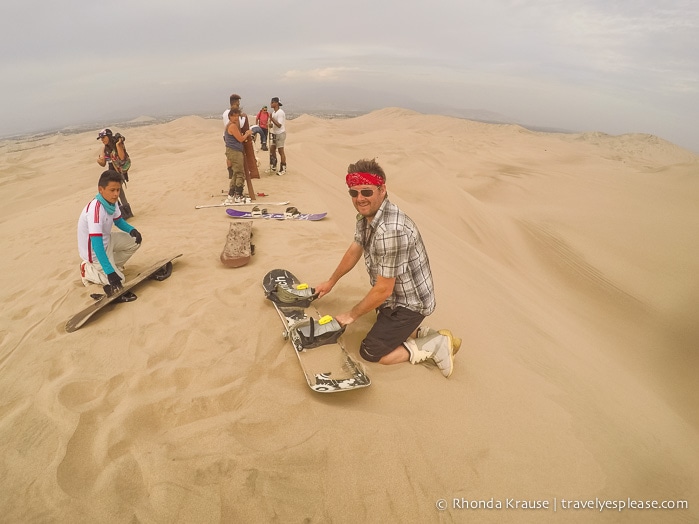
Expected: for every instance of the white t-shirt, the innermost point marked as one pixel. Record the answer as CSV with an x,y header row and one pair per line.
x,y
95,221
241,119
280,117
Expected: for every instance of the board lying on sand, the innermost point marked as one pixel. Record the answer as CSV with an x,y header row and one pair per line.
x,y
160,269
238,248
289,214
316,339
223,204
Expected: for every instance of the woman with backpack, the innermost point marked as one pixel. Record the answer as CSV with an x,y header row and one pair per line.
x,y
114,153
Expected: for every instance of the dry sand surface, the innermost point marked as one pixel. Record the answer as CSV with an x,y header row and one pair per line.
x,y
567,263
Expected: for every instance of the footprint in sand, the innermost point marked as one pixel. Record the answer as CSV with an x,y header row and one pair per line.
x,y
22,313
80,396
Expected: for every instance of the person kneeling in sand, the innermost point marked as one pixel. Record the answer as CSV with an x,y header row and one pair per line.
x,y
402,291
104,253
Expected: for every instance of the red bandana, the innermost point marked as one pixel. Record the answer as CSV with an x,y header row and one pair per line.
x,y
363,179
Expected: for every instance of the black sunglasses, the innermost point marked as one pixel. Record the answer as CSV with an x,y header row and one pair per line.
x,y
365,192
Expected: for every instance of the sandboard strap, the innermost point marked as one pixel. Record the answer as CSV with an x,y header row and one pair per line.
x,y
293,297
257,212
292,212
314,334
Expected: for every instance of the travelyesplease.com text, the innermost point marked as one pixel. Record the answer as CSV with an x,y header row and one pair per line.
x,y
560,504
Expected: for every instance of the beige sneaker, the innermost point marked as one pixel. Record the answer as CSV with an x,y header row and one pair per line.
x,y
436,346
424,331
444,354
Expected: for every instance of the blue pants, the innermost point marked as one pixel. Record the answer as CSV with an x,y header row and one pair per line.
x,y
257,130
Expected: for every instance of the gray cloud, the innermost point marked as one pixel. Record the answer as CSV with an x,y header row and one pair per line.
x,y
609,66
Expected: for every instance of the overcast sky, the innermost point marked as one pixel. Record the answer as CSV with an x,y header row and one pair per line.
x,y
617,66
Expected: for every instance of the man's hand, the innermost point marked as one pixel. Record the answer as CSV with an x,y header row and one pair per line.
x,y
114,281
345,319
323,288
134,233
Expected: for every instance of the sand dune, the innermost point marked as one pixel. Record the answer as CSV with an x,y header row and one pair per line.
x,y
567,263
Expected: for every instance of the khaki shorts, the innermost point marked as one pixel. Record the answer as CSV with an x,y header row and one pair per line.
x,y
278,140
121,247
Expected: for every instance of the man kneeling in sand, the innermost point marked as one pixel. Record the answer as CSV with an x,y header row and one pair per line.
x,y
399,270
104,253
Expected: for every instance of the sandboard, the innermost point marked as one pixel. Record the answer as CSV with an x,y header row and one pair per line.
x,y
81,318
223,204
235,213
224,193
124,206
238,248
327,366
251,170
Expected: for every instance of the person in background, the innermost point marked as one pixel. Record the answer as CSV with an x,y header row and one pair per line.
x,y
261,127
235,162
114,153
234,101
278,137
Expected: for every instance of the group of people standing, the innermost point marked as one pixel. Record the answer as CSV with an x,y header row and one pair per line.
x,y
237,131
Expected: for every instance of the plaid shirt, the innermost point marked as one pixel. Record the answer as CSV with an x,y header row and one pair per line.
x,y
393,248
